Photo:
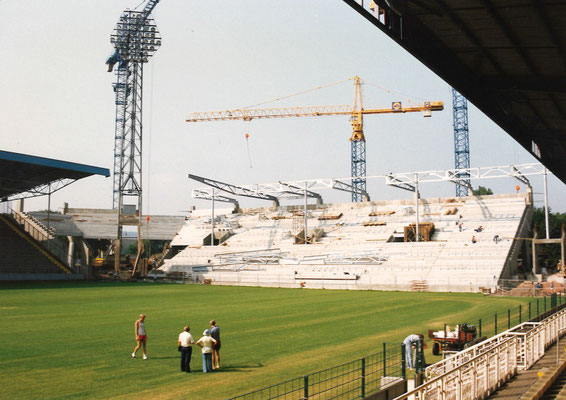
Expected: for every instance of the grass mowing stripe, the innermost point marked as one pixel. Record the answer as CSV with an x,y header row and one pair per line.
x,y
73,340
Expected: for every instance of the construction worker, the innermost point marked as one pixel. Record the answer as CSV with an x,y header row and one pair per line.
x,y
410,342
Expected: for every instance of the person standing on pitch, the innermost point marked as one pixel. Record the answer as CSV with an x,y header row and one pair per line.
x,y
140,335
215,334
186,342
206,342
410,342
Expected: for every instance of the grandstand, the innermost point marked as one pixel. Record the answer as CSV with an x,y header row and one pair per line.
x,y
30,249
357,245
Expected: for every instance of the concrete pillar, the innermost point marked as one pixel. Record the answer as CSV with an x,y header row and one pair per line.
x,y
86,261
526,256
71,252
117,248
563,248
529,195
534,251
86,257
19,205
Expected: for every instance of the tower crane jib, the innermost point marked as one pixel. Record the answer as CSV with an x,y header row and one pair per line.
x,y
355,111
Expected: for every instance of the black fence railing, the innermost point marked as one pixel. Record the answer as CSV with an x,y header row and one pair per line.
x,y
353,380
502,321
358,378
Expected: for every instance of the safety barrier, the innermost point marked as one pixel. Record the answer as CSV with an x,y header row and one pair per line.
x,y
479,370
352,380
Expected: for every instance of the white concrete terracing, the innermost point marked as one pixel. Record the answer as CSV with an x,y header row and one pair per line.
x,y
358,250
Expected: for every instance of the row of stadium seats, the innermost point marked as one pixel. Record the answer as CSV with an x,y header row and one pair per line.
x,y
19,256
450,256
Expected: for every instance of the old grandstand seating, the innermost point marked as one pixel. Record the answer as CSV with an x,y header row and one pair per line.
x,y
25,258
361,249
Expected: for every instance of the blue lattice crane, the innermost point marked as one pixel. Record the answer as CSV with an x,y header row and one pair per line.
x,y
135,39
461,142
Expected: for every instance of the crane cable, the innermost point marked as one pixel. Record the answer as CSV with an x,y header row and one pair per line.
x,y
143,1
390,91
248,147
296,94
407,97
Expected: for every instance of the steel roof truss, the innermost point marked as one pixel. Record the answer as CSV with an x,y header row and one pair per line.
x,y
43,190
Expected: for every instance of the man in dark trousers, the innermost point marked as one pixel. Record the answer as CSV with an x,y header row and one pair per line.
x,y
215,334
186,342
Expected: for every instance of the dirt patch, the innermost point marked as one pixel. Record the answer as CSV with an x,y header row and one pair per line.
x,y
528,289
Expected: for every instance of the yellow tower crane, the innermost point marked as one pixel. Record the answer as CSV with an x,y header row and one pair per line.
x,y
355,111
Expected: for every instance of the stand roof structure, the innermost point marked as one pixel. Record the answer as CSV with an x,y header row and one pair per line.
x,y
30,176
508,57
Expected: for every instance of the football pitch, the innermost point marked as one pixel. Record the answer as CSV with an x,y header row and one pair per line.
x,y
74,340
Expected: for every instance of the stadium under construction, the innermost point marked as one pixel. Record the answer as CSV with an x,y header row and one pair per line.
x,y
471,243
461,243
508,58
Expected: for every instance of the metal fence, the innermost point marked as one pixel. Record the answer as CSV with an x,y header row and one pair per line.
x,y
501,321
353,380
479,370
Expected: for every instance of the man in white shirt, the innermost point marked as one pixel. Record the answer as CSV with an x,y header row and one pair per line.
x,y
186,342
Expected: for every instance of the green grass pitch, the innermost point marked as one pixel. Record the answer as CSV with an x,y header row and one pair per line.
x,y
69,340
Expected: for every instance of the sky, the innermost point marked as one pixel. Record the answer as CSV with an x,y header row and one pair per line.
x,y
56,100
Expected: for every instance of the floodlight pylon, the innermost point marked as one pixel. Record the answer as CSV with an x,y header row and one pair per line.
x,y
135,39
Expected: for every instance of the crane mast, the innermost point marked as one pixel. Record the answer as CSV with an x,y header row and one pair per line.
x,y
135,39
355,111
461,140
358,145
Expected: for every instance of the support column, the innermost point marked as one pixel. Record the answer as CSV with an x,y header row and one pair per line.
x,y
534,251
546,219
306,227
563,248
86,260
117,251
48,215
212,221
71,252
526,256
417,206
85,254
